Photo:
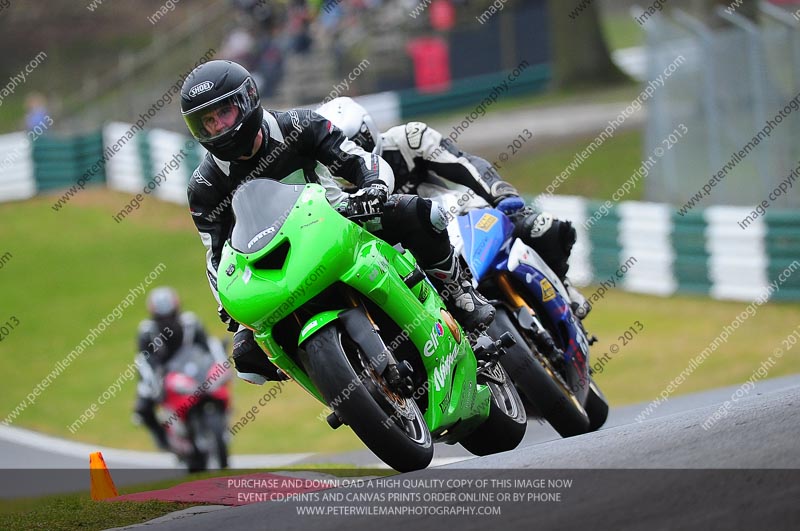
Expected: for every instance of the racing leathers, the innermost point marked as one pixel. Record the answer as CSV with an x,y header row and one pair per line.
x,y
301,146
418,153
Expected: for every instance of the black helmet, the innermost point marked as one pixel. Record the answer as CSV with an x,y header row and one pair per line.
x,y
212,91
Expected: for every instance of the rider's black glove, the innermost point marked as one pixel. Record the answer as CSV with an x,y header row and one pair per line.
x,y
369,200
233,326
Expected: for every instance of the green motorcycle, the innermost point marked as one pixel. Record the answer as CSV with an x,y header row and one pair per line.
x,y
356,323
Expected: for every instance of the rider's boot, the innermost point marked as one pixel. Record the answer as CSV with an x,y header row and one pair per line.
x,y
454,284
252,364
145,414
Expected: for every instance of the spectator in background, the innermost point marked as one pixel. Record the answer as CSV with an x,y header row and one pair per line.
x,y
299,27
36,110
264,13
238,46
268,68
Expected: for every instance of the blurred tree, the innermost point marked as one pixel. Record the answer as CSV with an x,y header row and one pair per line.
x,y
580,53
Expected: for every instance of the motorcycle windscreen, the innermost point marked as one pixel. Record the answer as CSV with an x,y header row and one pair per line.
x,y
484,232
192,360
260,208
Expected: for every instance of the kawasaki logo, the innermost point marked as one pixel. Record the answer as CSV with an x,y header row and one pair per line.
x,y
441,372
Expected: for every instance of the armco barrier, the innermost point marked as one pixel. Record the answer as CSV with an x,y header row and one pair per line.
x,y
704,252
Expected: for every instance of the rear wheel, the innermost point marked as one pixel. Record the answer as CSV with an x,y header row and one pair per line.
x,y
390,425
596,407
541,384
505,427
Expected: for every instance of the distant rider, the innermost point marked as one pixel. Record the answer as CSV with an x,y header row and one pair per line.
x,y
416,152
159,338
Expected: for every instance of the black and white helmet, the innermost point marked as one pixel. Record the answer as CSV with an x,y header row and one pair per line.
x,y
354,121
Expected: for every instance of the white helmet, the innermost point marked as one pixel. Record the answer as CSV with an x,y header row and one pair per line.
x,y
163,302
354,121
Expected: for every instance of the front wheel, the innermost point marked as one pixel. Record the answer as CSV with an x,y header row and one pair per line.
x,y
208,428
217,432
197,460
390,425
507,422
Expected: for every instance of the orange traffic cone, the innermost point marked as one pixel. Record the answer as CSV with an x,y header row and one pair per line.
x,y
102,484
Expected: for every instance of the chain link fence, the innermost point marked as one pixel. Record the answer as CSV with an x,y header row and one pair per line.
x,y
738,77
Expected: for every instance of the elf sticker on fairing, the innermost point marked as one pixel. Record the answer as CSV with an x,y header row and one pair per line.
x,y
430,346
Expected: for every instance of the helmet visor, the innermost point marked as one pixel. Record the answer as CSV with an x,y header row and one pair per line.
x,y
223,114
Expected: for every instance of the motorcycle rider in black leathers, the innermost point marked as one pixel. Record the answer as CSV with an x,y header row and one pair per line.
x,y
158,339
222,109
416,152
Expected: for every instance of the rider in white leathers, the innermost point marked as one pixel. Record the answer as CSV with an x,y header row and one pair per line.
x,y
419,156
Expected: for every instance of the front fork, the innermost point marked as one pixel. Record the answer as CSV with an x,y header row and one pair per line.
x,y
528,320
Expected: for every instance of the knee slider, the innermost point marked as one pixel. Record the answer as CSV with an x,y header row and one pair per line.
x,y
438,216
413,211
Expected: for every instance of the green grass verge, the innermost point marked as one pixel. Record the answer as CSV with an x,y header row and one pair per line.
x,y
676,330
70,269
79,511
597,177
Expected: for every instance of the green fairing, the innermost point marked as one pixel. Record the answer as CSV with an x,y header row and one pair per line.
x,y
326,248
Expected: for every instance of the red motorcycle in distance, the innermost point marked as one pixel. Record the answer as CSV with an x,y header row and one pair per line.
x,y
194,405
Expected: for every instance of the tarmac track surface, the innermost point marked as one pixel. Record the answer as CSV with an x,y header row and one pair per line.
x,y
667,472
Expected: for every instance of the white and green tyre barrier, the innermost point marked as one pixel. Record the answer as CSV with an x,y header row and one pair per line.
x,y
704,252
647,247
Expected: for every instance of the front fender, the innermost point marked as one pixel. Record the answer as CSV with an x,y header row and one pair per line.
x,y
360,330
316,323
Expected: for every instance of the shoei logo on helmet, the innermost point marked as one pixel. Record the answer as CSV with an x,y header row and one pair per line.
x,y
205,86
